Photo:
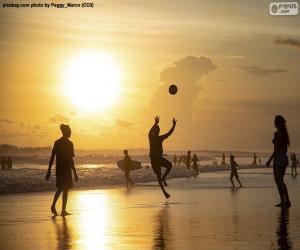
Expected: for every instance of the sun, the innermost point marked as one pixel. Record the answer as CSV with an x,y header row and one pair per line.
x,y
92,81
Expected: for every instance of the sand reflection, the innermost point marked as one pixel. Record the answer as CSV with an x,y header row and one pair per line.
x,y
162,231
93,221
282,232
63,233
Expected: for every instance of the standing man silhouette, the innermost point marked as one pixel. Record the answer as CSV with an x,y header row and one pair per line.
x,y
156,153
63,149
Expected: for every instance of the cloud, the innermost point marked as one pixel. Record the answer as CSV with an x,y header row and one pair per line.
x,y
6,121
254,70
288,42
73,113
270,106
123,124
58,119
187,70
186,73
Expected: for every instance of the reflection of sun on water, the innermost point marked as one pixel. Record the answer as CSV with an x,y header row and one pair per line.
x,y
94,221
92,81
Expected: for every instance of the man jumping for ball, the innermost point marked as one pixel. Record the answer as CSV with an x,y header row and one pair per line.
x,y
156,153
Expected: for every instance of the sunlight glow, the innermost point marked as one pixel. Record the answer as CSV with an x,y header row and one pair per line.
x,y
94,221
92,81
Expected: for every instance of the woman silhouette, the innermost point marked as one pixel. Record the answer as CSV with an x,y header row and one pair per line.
x,y
281,142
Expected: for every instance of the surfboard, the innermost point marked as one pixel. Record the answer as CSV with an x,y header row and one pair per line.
x,y
134,165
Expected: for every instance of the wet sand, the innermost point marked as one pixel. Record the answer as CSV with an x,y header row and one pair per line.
x,y
204,213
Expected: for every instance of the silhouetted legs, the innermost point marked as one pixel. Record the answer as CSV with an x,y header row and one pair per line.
x,y
279,172
160,182
232,182
64,201
234,174
56,196
156,164
129,181
168,165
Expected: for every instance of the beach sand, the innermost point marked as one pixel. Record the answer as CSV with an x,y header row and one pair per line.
x,y
203,213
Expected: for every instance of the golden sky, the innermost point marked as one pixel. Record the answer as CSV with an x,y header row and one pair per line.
x,y
235,66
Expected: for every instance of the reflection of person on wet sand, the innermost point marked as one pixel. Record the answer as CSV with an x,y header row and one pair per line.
x,y
280,160
282,232
127,165
156,153
162,235
63,150
63,236
234,172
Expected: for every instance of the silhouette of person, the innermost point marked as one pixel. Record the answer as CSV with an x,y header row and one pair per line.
x,y
188,160
294,164
9,162
234,172
195,165
254,163
156,153
175,160
63,150
3,163
280,160
223,159
127,166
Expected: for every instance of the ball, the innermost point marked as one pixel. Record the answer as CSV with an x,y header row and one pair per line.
x,y
173,89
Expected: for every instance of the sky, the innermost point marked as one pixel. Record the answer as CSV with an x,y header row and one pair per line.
x,y
235,66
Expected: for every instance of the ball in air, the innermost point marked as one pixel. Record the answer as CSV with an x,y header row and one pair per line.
x,y
173,89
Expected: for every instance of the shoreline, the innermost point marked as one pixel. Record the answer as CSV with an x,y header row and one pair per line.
x,y
90,179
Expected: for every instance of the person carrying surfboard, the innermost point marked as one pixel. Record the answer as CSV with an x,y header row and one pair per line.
x,y
127,165
156,153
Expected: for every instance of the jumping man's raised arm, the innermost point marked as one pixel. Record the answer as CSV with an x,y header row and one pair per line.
x,y
165,136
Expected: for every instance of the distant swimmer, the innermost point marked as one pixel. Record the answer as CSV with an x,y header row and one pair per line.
x,y
175,160
280,160
156,153
127,165
234,172
223,159
294,164
254,163
195,166
3,163
63,150
188,160
9,162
